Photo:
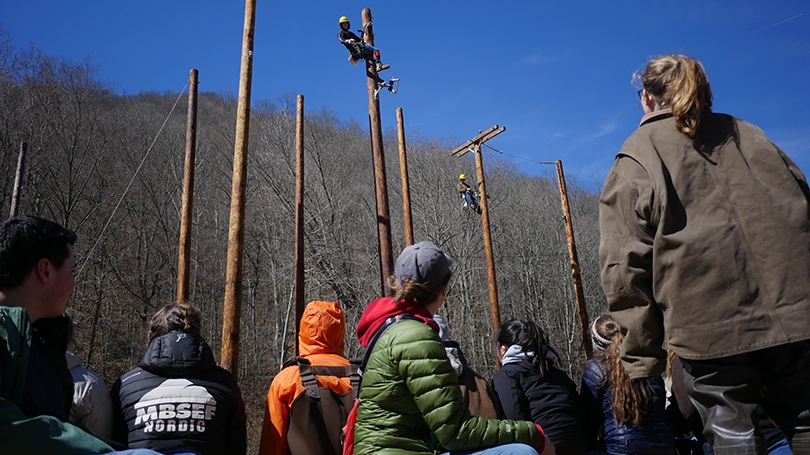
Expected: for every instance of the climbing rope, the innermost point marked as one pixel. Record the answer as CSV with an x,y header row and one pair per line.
x,y
126,190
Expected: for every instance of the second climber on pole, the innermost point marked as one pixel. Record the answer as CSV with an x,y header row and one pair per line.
x,y
357,48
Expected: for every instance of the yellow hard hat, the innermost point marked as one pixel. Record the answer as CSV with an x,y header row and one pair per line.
x,y
343,19
462,177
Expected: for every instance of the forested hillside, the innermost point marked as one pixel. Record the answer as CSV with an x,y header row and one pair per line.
x,y
86,143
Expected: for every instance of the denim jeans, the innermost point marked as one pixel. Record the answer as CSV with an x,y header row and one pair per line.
x,y
506,449
369,52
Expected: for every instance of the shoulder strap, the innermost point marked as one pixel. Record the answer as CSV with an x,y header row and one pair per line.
x,y
307,371
308,378
386,325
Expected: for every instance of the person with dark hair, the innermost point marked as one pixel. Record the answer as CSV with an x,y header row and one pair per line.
x,y
36,388
92,406
623,416
358,49
321,344
410,401
704,228
531,387
178,400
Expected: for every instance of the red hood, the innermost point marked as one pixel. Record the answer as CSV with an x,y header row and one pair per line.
x,y
383,308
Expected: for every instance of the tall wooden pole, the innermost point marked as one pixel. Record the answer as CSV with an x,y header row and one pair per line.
x,y
233,274
383,217
493,284
474,145
184,251
298,290
18,181
572,253
403,170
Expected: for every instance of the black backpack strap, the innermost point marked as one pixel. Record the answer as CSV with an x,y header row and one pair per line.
x,y
388,323
308,373
308,379
323,436
356,377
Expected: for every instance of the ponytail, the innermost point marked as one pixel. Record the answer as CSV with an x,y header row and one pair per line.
x,y
630,396
530,337
680,83
176,316
416,291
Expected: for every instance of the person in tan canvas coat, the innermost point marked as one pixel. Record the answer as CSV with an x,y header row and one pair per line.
x,y
705,248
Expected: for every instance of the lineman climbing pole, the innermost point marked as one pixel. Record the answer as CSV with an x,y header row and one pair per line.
x,y
375,126
474,145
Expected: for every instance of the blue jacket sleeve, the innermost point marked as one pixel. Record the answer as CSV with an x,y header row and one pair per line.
x,y
591,395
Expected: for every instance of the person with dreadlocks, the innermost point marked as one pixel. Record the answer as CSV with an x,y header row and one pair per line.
x,y
531,387
622,415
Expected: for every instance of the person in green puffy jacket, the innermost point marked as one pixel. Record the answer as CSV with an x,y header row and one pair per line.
x,y
410,401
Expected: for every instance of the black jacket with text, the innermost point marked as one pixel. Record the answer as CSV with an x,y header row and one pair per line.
x,y
178,398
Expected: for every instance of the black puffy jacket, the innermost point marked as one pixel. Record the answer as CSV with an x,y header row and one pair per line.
x,y
550,401
178,398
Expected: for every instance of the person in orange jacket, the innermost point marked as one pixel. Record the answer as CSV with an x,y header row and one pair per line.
x,y
321,341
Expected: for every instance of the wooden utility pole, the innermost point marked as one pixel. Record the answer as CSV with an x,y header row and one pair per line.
x,y
403,170
572,253
383,217
229,358
474,145
298,262
18,181
184,251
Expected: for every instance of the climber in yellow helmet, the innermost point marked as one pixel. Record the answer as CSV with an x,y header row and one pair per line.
x,y
356,46
468,198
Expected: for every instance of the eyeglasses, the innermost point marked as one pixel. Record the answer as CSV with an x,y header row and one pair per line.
x,y
639,92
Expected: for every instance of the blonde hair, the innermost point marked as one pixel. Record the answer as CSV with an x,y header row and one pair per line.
x,y
416,291
679,82
175,316
629,396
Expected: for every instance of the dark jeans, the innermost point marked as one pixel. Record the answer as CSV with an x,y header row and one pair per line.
x,y
726,392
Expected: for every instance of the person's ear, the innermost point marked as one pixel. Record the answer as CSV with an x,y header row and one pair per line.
x,y
648,99
43,270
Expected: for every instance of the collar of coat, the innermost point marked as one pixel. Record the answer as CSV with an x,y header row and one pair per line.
x,y
655,115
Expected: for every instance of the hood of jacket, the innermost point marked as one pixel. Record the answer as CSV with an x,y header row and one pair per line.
x,y
322,329
385,307
73,360
177,354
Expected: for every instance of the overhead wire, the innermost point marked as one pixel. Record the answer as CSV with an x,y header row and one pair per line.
x,y
135,175
517,156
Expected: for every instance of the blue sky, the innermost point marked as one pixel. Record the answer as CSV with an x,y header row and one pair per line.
x,y
556,74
